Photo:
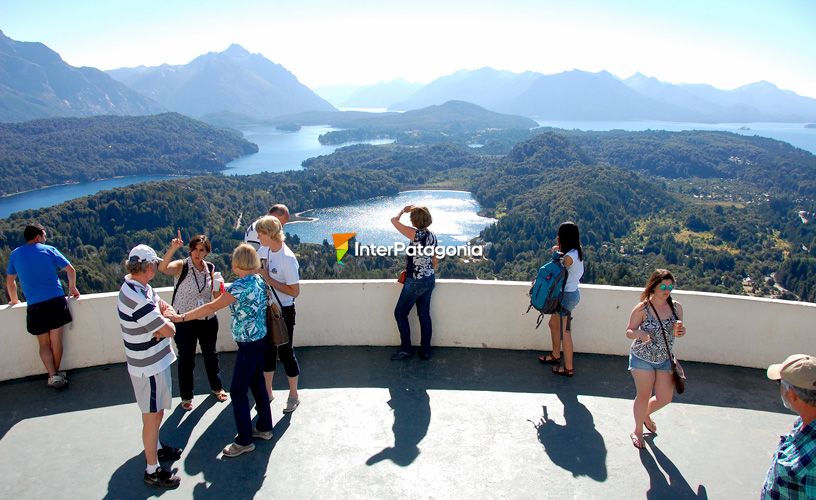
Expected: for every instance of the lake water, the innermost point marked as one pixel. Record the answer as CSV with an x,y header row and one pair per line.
x,y
50,196
280,151
455,218
793,133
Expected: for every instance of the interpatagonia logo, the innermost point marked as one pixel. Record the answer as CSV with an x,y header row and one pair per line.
x,y
341,244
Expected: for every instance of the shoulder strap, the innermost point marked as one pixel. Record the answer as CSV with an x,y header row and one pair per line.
x,y
184,270
276,296
663,332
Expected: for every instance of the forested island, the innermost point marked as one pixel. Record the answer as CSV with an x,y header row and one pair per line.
x,y
719,209
54,151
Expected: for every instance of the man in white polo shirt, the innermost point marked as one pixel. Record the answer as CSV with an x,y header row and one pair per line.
x,y
146,334
280,211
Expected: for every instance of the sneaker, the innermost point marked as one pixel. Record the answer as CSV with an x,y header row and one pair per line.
x,y
291,405
401,355
64,376
56,382
169,453
265,435
235,449
162,478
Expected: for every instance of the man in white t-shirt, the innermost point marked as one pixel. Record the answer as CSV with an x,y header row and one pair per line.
x,y
280,211
279,269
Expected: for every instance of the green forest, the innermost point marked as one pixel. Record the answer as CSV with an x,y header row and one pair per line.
x,y
55,151
721,210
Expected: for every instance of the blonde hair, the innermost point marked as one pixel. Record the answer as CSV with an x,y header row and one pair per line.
x,y
269,225
421,217
245,257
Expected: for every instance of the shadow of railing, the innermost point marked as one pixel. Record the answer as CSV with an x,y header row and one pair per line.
x,y
462,369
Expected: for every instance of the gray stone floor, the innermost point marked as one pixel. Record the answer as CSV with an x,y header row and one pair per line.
x,y
470,423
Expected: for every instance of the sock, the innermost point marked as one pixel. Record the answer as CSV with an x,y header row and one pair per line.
x,y
151,469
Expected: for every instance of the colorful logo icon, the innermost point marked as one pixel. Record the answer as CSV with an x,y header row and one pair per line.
x,y
341,244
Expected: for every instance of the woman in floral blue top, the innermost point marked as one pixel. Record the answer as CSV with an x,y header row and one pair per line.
x,y
420,280
246,298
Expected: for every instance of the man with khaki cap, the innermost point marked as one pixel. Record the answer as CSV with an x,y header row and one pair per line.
x,y
793,470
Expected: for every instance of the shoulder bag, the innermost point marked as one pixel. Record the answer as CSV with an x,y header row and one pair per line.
x,y
276,329
677,370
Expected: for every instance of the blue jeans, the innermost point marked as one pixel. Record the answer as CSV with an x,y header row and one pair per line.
x,y
415,291
248,375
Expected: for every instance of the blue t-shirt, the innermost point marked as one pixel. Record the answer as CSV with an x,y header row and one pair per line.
x,y
249,309
36,265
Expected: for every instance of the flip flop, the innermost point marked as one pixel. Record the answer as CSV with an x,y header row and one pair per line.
x,y
564,372
636,442
651,428
221,395
549,359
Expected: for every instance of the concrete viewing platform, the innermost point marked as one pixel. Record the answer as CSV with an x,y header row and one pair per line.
x,y
469,423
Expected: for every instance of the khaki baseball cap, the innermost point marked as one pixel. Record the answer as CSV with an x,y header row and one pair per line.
x,y
798,370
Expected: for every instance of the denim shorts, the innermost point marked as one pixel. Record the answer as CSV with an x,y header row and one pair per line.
x,y
568,302
635,363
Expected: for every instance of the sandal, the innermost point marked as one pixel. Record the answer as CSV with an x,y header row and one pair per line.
x,y
650,426
564,372
549,359
221,395
186,404
637,442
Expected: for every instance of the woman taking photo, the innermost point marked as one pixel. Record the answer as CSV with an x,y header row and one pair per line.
x,y
420,279
246,298
653,317
280,271
568,243
193,286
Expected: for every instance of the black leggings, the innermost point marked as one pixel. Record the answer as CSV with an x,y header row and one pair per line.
x,y
286,352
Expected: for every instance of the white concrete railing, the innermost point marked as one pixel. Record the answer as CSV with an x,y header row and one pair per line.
x,y
724,329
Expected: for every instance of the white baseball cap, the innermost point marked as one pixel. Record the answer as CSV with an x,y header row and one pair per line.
x,y
143,253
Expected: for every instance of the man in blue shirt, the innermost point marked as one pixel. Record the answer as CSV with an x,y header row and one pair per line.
x,y
36,264
792,474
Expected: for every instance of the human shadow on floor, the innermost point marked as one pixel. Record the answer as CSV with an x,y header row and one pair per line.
x,y
412,416
575,446
235,478
676,487
178,429
127,481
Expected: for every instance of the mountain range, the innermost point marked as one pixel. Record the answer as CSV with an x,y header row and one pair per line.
x,y
234,80
377,95
36,83
581,95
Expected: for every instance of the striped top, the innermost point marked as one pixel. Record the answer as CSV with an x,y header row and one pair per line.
x,y
139,318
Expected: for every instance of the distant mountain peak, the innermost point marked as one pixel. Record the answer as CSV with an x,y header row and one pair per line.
x,y
236,50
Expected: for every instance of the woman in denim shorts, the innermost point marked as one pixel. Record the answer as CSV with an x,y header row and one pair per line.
x,y
649,360
568,244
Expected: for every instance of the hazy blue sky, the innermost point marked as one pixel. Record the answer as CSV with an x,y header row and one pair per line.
x,y
724,43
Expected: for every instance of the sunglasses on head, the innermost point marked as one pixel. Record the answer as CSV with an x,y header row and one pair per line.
x,y
665,287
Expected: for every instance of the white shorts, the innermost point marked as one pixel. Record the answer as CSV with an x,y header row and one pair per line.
x,y
153,393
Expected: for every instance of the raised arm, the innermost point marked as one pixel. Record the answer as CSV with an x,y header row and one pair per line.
x,y
169,266
224,300
407,231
